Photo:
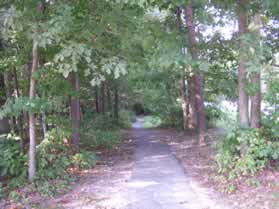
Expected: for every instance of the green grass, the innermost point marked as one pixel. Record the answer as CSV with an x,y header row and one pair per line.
x,y
151,122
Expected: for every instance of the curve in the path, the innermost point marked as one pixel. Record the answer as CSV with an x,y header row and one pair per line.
x,y
152,180
158,181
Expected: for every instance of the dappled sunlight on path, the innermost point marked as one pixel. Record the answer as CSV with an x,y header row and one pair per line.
x,y
158,181
152,180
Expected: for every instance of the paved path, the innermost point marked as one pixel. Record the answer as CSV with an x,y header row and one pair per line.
x,y
158,181
152,180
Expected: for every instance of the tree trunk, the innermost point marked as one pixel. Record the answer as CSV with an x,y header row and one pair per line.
x,y
8,91
200,108
102,98
198,78
44,125
75,112
256,103
32,135
192,112
188,109
18,118
242,95
182,84
25,92
97,105
116,101
109,104
184,103
256,80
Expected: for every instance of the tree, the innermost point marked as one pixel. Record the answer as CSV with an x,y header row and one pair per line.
x,y
198,76
116,101
75,111
242,95
32,131
256,81
185,106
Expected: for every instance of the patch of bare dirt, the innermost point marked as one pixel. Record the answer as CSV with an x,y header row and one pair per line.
x,y
100,183
258,192
94,185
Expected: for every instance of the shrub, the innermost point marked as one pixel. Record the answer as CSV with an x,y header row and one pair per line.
x,y
107,122
53,156
213,113
100,138
171,116
104,133
258,151
50,188
151,122
101,122
13,162
271,123
84,160
126,117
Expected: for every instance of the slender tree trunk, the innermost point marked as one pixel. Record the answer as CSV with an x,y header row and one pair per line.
x,y
184,103
97,105
44,125
32,131
75,112
25,92
256,80
8,90
116,101
178,18
32,135
256,103
2,86
198,78
20,131
102,98
182,84
19,118
109,103
192,112
242,95
200,108
41,62
190,120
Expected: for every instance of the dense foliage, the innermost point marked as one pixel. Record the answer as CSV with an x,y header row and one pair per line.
x,y
72,72
259,150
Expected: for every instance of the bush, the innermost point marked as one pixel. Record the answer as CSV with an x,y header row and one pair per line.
x,y
171,116
271,123
84,160
13,162
107,122
151,122
105,130
126,117
100,138
54,156
49,188
213,113
101,122
258,151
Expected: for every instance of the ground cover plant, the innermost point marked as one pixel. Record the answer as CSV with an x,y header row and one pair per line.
x,y
75,74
